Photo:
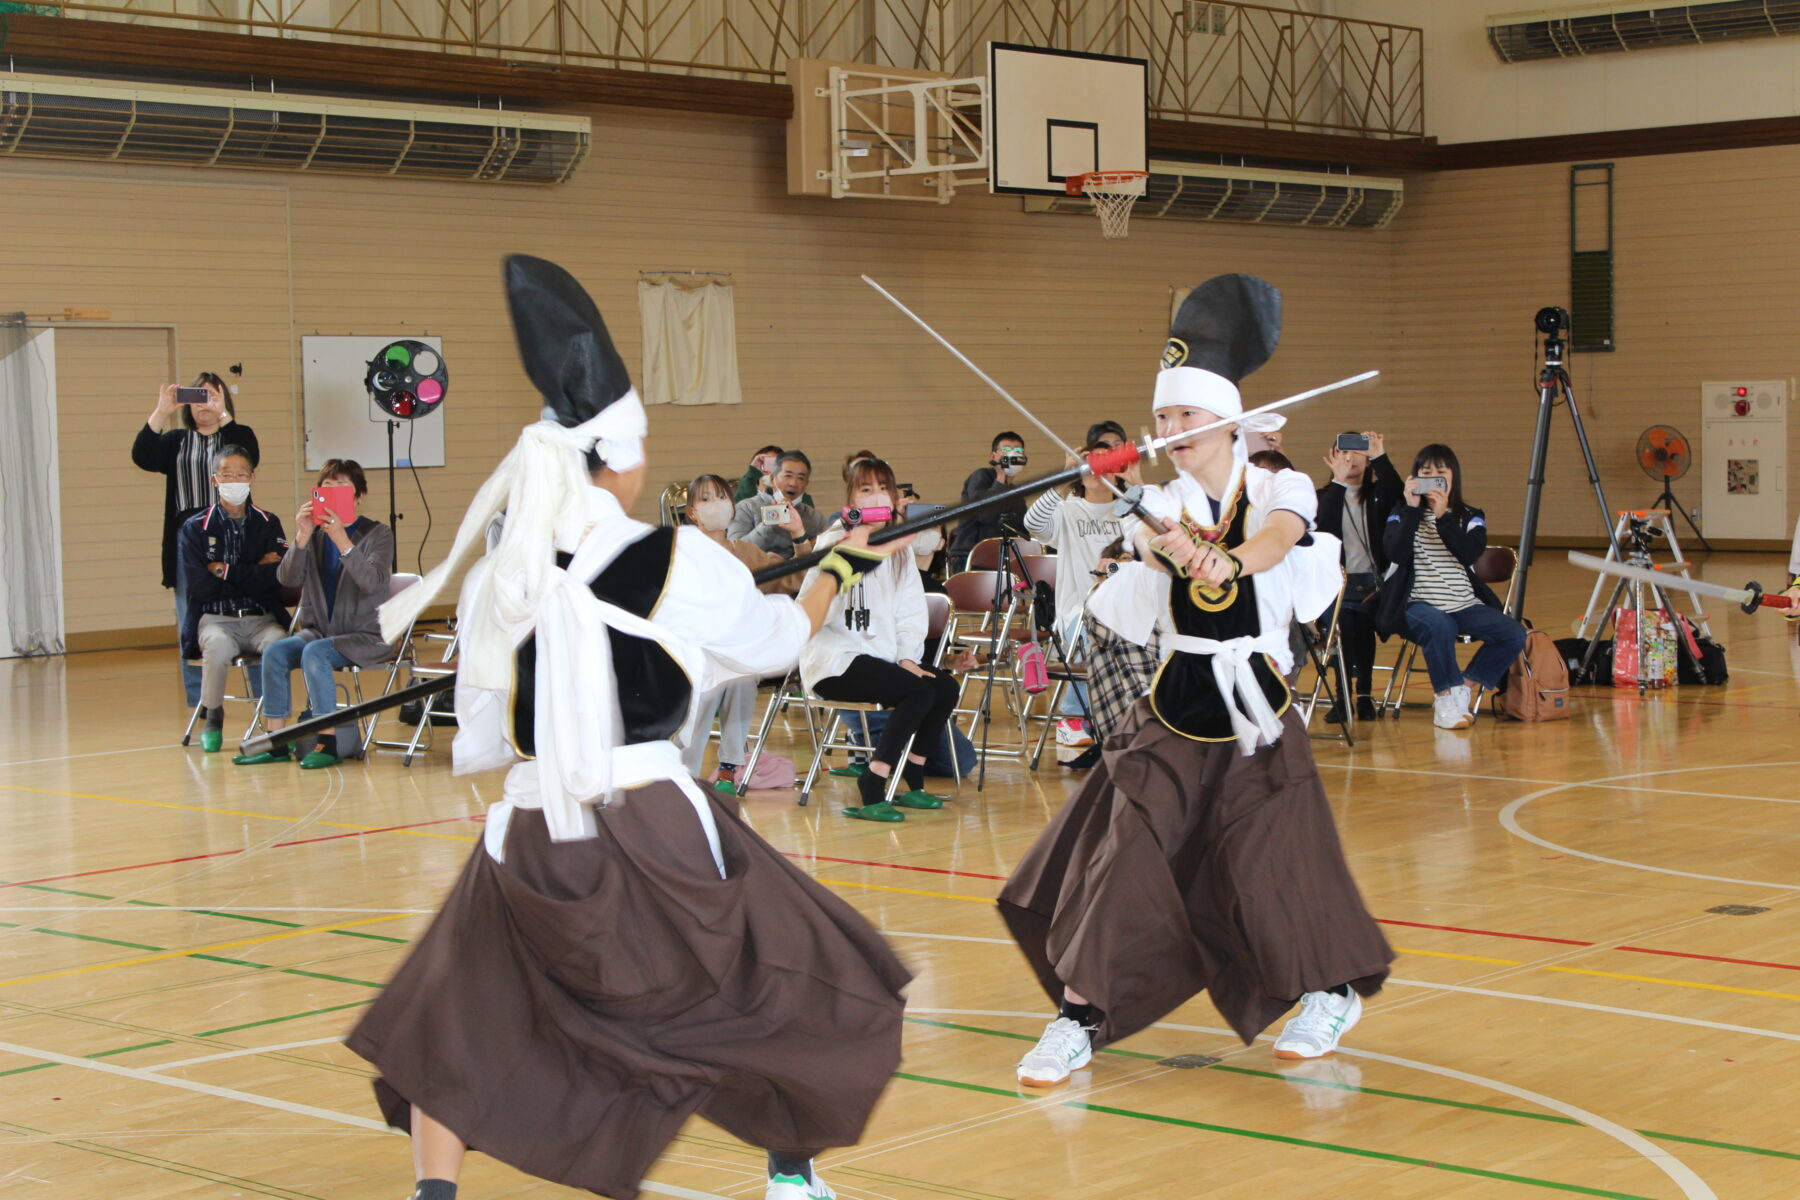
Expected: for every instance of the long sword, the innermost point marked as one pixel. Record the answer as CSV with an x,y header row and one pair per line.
x,y
1750,597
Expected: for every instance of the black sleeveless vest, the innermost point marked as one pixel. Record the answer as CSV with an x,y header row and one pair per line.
x,y
1185,696
654,692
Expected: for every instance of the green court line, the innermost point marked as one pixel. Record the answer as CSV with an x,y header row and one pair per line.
x,y
1285,1140
162,1164
83,937
96,1054
277,1020
211,912
1499,1110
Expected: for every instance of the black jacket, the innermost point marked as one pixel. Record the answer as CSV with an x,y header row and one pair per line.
x,y
1465,538
160,452
1382,489
248,580
985,525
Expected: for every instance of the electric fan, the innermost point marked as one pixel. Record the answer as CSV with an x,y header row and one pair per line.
x,y
1665,454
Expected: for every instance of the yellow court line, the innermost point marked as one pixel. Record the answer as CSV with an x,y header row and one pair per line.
x,y
167,954
1686,983
229,812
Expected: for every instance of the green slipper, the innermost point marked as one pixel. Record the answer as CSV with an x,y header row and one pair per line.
x,y
876,812
853,771
212,740
317,759
726,786
267,756
918,798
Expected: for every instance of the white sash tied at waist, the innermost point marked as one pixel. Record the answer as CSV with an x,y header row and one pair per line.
x,y
630,767
1254,723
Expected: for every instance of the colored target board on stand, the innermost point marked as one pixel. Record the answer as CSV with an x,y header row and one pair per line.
x,y
408,379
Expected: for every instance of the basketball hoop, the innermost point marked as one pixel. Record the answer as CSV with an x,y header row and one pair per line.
x,y
1112,193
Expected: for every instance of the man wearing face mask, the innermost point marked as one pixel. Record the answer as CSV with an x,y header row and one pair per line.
x,y
1006,458
784,523
230,553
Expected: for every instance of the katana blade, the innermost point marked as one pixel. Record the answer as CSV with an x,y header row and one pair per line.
x,y
1750,597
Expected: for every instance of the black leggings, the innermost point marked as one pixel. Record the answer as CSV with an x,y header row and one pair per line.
x,y
921,704
1357,628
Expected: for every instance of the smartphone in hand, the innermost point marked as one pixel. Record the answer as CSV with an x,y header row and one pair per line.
x,y
190,395
1353,441
340,498
1430,483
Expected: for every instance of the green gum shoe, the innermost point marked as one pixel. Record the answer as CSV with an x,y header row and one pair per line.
x,y
212,740
918,798
257,760
875,812
726,786
318,759
853,771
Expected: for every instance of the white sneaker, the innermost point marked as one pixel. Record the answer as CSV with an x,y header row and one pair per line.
x,y
1065,1047
1445,713
1314,1031
792,1187
1073,731
1465,703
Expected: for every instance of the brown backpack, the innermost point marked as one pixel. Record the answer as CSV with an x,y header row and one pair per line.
x,y
1537,684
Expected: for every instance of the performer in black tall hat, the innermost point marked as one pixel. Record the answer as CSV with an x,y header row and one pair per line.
x,y
1201,855
622,951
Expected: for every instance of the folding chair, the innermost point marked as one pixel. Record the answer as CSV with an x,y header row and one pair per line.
x,y
937,624
1497,565
977,623
1325,653
786,692
398,582
422,735
243,663
986,554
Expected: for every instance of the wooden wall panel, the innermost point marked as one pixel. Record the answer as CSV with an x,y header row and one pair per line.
x,y
1704,253
1071,323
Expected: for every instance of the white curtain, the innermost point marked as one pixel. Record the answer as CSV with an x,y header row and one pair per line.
x,y
690,341
31,616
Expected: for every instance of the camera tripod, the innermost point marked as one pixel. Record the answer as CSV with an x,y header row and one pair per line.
x,y
1553,387
1638,535
1009,553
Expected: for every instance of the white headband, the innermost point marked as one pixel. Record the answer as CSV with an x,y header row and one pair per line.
x,y
616,434
1193,387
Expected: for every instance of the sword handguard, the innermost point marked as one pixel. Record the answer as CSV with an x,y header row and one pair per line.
x,y
1756,596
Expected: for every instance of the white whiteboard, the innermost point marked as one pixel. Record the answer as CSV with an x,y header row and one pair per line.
x,y
341,420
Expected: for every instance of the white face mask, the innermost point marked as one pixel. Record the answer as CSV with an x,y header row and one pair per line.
x,y
878,500
1009,472
714,515
234,494
927,544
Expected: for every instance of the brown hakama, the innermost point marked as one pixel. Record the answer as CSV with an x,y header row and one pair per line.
x,y
571,1007
1184,866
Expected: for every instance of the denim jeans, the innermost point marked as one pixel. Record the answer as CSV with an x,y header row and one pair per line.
x,y
317,660
1436,632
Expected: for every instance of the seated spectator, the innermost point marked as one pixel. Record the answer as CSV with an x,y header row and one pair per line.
x,y
1119,670
1006,458
709,507
1080,525
1271,460
179,442
1109,434
870,651
784,524
1431,594
230,553
854,457
1353,508
342,568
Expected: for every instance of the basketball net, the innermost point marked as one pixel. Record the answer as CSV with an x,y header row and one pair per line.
x,y
1112,193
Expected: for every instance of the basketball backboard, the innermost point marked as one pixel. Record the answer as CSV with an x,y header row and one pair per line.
x,y
1053,114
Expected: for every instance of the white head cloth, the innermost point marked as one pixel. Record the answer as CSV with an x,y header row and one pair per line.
x,y
1198,388
539,485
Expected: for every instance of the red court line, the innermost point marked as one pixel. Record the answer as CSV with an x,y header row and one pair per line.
x,y
1518,937
330,837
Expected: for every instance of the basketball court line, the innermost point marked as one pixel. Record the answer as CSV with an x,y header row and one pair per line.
x,y
56,758
1604,783
232,812
1509,821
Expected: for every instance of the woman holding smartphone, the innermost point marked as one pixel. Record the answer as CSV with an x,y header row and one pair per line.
x,y
1431,594
868,652
710,508
341,561
179,440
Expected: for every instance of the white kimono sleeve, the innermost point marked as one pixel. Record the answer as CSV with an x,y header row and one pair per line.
x,y
712,603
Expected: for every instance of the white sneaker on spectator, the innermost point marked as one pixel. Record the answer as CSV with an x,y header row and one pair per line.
x,y
1465,703
1446,713
794,1187
1065,1047
1324,1017
1073,731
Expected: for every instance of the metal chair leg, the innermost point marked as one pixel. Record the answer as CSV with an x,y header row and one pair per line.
x,y
818,758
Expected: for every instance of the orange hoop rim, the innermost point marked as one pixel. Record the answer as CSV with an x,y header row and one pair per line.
x,y
1077,185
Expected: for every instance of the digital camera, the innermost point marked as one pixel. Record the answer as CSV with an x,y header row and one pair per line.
x,y
867,516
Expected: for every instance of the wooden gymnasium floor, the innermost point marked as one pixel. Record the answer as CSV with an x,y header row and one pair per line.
x,y
185,942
